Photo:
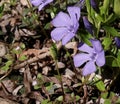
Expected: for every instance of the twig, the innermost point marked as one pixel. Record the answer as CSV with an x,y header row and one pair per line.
x,y
1,78
36,58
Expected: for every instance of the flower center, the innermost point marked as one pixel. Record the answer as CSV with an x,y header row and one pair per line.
x,y
71,29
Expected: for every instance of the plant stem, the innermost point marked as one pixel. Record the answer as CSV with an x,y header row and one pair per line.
x,y
60,79
71,61
41,27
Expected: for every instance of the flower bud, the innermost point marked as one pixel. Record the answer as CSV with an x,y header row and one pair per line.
x,y
117,42
88,25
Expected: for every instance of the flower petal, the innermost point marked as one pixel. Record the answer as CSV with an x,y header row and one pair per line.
x,y
74,12
96,45
41,6
67,37
58,33
85,48
100,61
36,2
89,68
80,59
61,20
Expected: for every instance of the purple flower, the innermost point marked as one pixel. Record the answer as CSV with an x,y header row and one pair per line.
x,y
88,25
90,55
40,3
66,25
117,41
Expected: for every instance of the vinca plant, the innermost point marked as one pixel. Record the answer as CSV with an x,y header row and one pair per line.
x,y
60,51
94,26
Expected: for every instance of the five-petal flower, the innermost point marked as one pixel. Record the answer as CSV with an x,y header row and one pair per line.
x,y
66,25
40,3
90,55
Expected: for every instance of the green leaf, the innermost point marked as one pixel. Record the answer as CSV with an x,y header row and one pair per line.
x,y
1,8
99,17
39,76
47,26
22,58
99,84
112,61
88,6
49,86
110,18
118,56
5,68
22,45
107,42
8,63
46,101
77,97
60,98
107,101
86,38
112,31
104,95
118,101
106,4
53,51
36,87
117,7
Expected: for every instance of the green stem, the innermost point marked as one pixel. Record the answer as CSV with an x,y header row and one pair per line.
x,y
71,61
36,20
29,4
60,79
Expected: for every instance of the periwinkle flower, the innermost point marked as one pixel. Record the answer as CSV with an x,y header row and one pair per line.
x,y
66,25
40,3
92,56
88,25
117,42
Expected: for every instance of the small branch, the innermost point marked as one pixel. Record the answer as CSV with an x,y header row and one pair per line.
x,y
36,58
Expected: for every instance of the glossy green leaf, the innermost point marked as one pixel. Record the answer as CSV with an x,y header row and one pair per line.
x,y
107,101
5,68
22,58
53,51
99,84
8,63
106,4
60,98
77,97
88,6
112,31
104,95
107,42
112,61
117,7
46,101
110,18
